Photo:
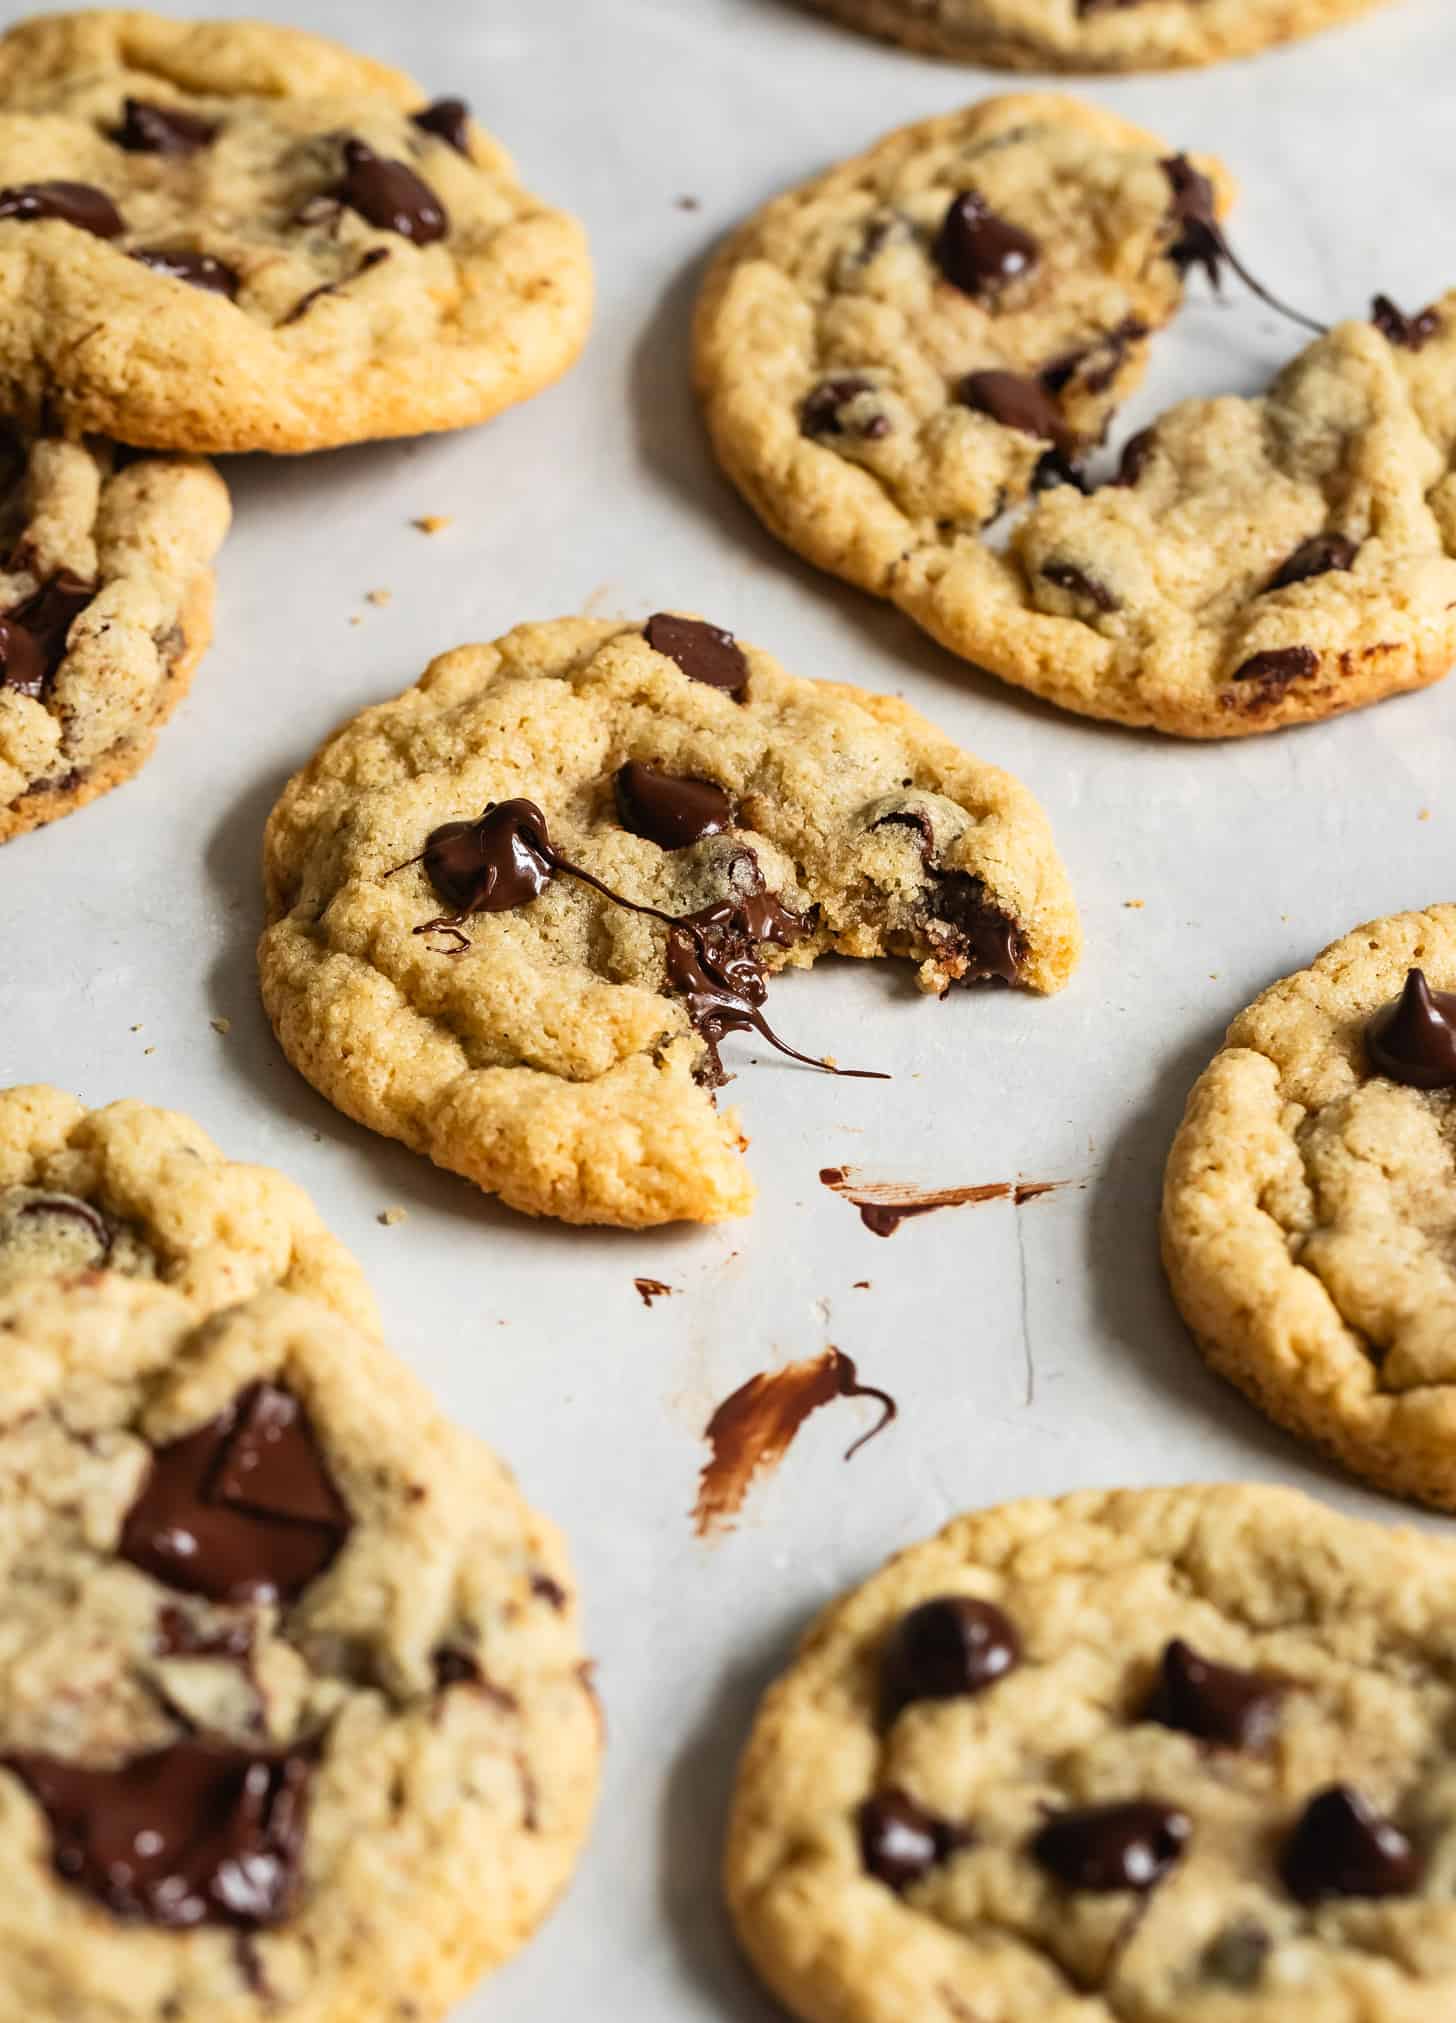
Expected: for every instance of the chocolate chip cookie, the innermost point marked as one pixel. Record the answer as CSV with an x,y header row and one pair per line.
x,y
516,912
1174,1755
1086,35
293,1719
1310,1203
145,1193
232,236
105,611
893,354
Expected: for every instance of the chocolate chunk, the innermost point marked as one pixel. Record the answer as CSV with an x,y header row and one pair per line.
x,y
822,412
1113,1847
1217,1703
1413,1038
391,196
899,1841
491,865
1410,332
1136,452
148,129
703,652
454,1668
1315,557
1279,666
979,252
22,663
78,204
448,119
33,637
198,270
1237,1955
947,1648
1077,583
1017,402
1342,1847
241,1510
668,808
190,1835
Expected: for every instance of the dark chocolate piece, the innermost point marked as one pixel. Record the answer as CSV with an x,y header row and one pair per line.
x,y
1136,452
1342,1847
1200,241
198,270
668,808
1413,1038
1410,332
1016,401
703,652
448,119
1217,1703
149,129
899,1841
33,636
1315,557
946,1649
79,204
989,941
1279,666
979,252
1077,583
391,196
22,664
1113,1847
822,412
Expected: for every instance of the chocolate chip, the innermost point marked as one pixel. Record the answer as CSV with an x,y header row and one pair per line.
x,y
669,809
1113,1847
987,941
391,196
195,1834
1279,666
1413,1039
1217,1703
22,663
822,412
79,204
1237,1955
899,1841
703,652
454,1668
198,270
1016,402
148,129
448,119
549,1591
1410,332
1136,453
34,635
241,1510
1077,583
979,252
1315,557
1342,1847
947,1648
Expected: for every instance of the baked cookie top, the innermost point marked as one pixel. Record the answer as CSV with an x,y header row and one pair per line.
x,y
105,607
1088,35
293,1719
1256,563
146,1193
1309,1208
232,236
1161,1756
435,967
892,354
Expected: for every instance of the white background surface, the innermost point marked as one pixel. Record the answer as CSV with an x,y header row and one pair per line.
x,y
601,496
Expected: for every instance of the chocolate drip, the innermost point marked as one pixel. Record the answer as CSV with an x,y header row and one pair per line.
x,y
79,204
390,196
980,252
1409,332
1413,1039
1202,242
148,129
448,119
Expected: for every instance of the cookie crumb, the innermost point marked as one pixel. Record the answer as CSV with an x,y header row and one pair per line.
x,y
136,1029
689,203
1424,815
149,1050
434,523
1134,905
378,596
390,1217
356,619
223,1026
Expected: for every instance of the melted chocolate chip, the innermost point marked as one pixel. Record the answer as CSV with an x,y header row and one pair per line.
x,y
198,270
668,808
448,119
1279,666
148,129
78,204
22,664
1136,452
241,1510
822,412
1315,557
899,1841
1077,583
1410,332
190,1835
390,196
703,652
34,635
1199,239
947,1648
502,861
1017,402
1217,1703
1413,1038
979,252
1113,1847
988,941
1342,1847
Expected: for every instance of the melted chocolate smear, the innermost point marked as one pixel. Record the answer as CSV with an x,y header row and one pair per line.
x,y
448,119
823,412
148,129
1409,332
1019,402
1113,1847
198,270
669,809
704,652
79,1211
1279,666
979,252
241,1510
390,196
33,636
1217,1703
947,1649
752,1430
1342,1847
899,1841
884,1204
1315,557
178,1636
1201,240
190,1835
79,204
1413,1039
650,1289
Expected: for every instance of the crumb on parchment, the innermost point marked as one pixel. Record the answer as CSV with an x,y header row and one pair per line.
x,y
390,1217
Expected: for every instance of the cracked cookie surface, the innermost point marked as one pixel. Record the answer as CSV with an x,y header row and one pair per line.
x,y
1159,1756
282,247
1309,1215
105,611
348,1737
553,1051
145,1192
